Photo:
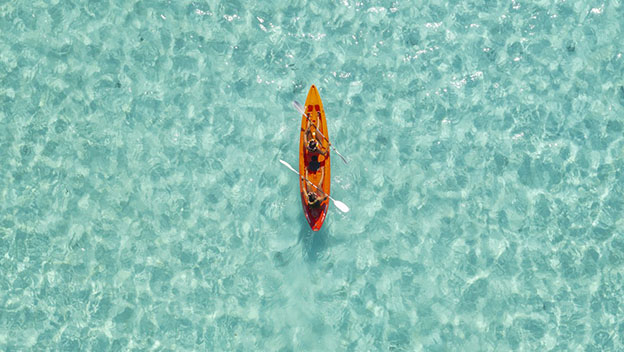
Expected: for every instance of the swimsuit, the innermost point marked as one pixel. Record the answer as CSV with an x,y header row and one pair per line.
x,y
314,164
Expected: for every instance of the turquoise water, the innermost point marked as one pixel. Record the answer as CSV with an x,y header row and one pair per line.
x,y
143,207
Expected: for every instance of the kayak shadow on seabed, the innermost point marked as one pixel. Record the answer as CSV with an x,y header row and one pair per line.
x,y
313,244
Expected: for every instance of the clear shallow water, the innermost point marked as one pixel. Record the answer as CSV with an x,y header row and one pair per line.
x,y
143,205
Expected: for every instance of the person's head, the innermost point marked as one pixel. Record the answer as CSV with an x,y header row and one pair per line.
x,y
312,144
311,196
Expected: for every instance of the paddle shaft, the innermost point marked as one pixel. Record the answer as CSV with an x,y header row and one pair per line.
x,y
302,110
317,129
312,183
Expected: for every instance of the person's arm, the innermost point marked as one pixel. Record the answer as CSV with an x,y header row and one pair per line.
x,y
307,181
320,142
305,137
323,198
320,185
307,199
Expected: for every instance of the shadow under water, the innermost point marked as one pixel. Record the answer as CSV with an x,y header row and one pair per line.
x,y
313,244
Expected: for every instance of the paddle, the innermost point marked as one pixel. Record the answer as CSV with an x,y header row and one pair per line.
x,y
301,109
340,205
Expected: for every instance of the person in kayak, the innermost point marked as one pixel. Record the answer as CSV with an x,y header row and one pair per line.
x,y
314,201
313,198
314,148
312,142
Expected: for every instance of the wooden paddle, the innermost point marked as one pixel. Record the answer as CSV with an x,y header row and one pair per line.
x,y
340,205
301,109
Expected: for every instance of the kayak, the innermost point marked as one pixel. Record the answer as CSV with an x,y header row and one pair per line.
x,y
314,166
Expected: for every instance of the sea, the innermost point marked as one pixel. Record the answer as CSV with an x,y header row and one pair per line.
x,y
143,206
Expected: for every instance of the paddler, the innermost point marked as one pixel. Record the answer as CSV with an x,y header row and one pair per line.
x,y
314,148
313,198
313,145
312,142
314,201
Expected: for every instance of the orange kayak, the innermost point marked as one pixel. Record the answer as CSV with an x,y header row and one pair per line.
x,y
314,166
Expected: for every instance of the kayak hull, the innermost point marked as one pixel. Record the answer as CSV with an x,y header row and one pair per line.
x,y
322,176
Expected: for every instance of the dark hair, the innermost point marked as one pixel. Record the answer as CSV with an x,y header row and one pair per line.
x,y
311,196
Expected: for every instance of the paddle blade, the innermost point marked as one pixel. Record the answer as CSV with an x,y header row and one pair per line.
x,y
340,155
341,206
288,166
299,107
